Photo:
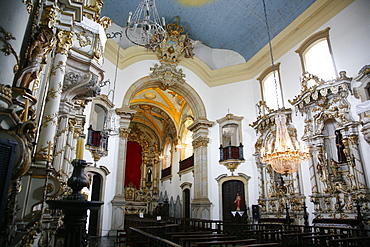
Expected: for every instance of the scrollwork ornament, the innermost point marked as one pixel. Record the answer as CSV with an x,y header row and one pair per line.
x,y
8,48
65,41
83,39
6,94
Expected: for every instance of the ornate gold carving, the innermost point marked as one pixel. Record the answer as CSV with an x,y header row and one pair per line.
x,y
29,4
48,16
50,118
52,93
60,66
6,94
105,22
8,49
65,41
98,52
83,39
124,133
45,152
174,45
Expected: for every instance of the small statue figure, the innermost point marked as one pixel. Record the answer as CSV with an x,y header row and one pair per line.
x,y
35,56
340,147
238,201
334,168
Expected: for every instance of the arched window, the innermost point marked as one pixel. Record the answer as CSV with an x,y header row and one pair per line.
x,y
316,56
166,161
271,91
186,139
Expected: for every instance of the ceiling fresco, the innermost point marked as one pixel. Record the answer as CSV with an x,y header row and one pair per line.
x,y
236,25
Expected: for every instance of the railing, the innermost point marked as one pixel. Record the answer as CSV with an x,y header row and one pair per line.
x,y
96,139
166,172
231,152
187,163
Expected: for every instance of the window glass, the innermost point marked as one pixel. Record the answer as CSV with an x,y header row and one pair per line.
x,y
319,62
272,91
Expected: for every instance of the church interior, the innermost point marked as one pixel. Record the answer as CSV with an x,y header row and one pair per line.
x,y
240,116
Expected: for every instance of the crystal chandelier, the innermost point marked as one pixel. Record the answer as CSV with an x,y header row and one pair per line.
x,y
141,29
282,155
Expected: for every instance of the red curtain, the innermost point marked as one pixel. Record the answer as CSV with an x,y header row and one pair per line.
x,y
133,163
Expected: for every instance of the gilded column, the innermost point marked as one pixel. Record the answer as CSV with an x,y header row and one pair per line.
x,y
118,202
50,117
201,204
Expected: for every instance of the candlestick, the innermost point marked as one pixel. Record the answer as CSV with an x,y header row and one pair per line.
x,y
25,113
80,149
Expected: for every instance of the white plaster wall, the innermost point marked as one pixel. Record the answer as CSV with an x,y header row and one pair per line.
x,y
349,36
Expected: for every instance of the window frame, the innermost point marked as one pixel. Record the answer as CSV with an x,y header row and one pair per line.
x,y
264,76
312,41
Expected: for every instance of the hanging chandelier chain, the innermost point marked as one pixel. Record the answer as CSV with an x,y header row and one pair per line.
x,y
271,54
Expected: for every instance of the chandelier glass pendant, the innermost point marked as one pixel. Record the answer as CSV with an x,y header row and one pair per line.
x,y
282,155
144,27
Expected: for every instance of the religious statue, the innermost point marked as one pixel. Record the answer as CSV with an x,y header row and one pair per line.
x,y
340,147
238,201
334,168
35,55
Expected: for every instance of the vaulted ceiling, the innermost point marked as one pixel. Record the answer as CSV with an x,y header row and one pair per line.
x,y
236,25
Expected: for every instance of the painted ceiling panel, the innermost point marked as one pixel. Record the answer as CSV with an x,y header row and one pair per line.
x,y
236,25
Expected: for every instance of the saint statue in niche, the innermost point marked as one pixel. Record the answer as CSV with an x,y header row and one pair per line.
x,y
238,201
35,53
340,147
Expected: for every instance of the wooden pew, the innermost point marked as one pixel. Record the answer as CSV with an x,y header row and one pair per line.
x,y
226,242
261,245
295,239
320,240
187,241
355,241
176,238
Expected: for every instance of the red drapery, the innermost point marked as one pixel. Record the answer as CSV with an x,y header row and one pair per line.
x,y
133,163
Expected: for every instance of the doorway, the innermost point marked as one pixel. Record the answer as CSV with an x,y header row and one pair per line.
x,y
95,196
230,190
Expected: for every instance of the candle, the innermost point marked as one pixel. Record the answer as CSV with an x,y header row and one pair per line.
x,y
25,114
80,149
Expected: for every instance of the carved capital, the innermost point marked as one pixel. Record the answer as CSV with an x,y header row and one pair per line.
x,y
200,141
65,41
124,133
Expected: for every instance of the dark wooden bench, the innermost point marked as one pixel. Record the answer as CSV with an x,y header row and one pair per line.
x,y
295,239
261,245
226,242
354,241
187,241
177,237
276,236
320,240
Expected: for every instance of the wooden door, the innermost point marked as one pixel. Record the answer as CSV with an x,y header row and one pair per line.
x,y
230,189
